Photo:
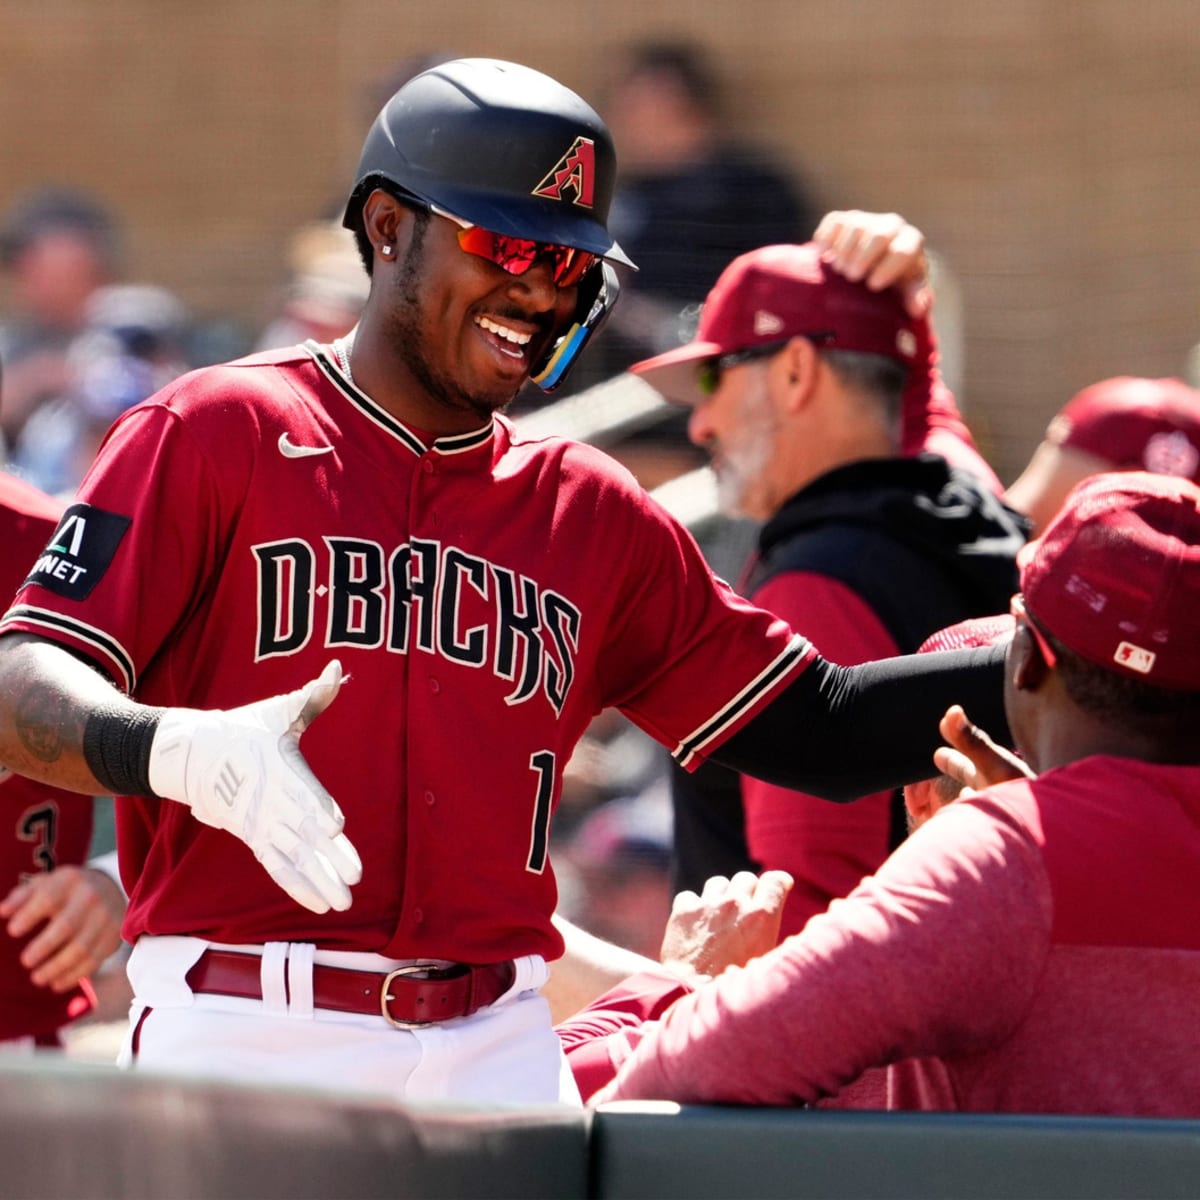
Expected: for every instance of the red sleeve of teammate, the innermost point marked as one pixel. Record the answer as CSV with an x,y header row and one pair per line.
x,y
893,971
43,827
27,519
598,1038
931,422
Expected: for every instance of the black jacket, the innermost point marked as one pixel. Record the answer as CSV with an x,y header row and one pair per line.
x,y
924,544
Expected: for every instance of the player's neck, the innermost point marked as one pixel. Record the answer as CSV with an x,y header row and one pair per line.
x,y
390,383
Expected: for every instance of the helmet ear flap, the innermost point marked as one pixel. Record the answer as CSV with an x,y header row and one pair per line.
x,y
598,293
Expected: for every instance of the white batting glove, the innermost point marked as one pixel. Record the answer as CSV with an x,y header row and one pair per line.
x,y
241,770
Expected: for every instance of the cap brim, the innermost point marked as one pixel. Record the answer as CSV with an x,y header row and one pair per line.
x,y
674,373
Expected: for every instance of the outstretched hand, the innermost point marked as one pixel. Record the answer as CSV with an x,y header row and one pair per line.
x,y
973,758
880,249
728,924
241,770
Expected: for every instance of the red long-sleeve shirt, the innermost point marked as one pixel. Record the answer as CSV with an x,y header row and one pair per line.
x,y
1038,946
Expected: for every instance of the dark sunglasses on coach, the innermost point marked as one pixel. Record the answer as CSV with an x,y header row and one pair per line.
x,y
708,373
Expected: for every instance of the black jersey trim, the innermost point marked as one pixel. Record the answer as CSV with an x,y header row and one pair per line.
x,y
108,648
364,403
788,662
459,443
455,444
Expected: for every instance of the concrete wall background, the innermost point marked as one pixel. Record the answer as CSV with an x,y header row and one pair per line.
x,y
1050,148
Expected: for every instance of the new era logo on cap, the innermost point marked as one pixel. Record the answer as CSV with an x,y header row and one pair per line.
x,y
766,323
777,292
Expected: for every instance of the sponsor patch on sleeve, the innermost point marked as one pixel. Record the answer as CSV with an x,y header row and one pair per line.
x,y
80,551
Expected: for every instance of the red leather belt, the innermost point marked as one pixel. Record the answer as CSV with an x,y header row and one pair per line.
x,y
411,995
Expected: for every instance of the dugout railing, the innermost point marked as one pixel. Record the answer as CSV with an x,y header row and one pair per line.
x,y
77,1130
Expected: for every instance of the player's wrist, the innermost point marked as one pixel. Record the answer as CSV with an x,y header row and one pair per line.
x,y
178,733
117,744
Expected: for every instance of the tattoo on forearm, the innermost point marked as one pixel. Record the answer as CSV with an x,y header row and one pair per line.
x,y
47,724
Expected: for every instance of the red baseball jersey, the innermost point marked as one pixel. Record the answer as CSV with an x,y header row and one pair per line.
x,y
43,827
487,595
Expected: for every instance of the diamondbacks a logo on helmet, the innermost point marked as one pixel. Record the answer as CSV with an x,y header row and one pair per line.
x,y
574,172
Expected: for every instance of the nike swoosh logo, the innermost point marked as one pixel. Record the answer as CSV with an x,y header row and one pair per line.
x,y
289,449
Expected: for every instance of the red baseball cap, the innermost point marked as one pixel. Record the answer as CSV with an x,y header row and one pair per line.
x,y
1134,424
1116,576
778,292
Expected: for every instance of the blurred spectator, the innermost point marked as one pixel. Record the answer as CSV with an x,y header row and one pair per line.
x,y
798,381
620,858
326,289
1119,424
57,246
691,194
132,344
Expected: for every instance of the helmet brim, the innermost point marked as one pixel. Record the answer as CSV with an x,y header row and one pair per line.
x,y
530,219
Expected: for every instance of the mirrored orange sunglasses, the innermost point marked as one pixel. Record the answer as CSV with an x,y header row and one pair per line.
x,y
517,255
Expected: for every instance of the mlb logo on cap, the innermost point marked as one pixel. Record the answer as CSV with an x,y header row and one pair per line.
x,y
1136,658
1116,577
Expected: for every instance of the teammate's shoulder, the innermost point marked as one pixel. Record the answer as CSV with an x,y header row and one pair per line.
x,y
28,518
22,499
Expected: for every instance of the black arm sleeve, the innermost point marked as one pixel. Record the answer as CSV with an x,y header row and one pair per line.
x,y
845,732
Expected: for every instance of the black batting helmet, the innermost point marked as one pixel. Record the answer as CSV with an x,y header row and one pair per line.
x,y
500,145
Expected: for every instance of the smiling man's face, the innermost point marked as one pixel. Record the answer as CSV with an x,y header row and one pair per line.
x,y
468,331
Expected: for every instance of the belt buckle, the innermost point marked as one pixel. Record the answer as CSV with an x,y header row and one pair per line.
x,y
385,995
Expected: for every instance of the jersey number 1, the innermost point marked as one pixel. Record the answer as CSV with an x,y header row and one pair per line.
x,y
542,765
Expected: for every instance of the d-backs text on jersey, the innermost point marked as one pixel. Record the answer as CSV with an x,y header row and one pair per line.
x,y
420,596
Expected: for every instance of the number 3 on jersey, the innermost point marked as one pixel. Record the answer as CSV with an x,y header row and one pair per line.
x,y
40,826
542,765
